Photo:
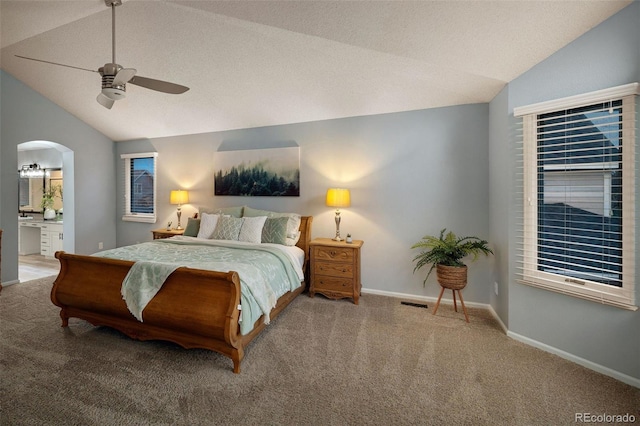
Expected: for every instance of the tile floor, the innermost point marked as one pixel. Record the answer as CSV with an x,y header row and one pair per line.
x,y
36,266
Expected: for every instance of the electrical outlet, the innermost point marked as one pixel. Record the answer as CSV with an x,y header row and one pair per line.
x,y
100,245
495,287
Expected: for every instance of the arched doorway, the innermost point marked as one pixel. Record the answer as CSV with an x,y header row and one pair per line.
x,y
58,162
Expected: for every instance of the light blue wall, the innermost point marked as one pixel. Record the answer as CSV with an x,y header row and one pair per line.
x,y
410,174
500,181
25,116
607,56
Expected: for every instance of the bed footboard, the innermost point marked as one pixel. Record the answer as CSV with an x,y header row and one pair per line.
x,y
194,308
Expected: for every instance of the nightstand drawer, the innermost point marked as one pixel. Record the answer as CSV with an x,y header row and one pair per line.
x,y
333,269
334,284
333,253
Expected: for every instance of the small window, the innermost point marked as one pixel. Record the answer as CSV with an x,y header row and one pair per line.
x,y
578,224
140,187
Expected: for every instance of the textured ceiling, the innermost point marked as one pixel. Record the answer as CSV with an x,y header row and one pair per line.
x,y
260,63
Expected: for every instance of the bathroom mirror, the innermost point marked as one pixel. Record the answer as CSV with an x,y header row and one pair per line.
x,y
31,190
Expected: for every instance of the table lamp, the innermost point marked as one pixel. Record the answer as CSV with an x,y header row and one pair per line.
x,y
338,197
179,197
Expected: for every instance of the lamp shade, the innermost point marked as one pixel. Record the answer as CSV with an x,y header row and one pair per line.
x,y
338,197
179,196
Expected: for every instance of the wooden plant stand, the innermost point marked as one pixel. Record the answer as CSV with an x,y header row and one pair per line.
x,y
455,306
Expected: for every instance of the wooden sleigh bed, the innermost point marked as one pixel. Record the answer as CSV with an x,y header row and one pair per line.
x,y
195,308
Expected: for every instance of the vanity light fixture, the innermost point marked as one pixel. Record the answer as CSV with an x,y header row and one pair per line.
x,y
338,197
179,197
31,171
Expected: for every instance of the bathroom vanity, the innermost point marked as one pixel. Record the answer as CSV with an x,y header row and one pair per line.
x,y
43,237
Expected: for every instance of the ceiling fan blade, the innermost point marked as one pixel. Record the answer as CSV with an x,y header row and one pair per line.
x,y
158,85
55,63
104,101
123,76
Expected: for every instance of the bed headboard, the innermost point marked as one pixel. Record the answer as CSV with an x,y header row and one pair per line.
x,y
304,241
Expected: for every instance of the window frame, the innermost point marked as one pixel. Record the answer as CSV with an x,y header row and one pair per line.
x,y
527,257
128,215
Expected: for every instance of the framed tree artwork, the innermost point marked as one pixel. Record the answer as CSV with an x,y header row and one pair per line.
x,y
271,172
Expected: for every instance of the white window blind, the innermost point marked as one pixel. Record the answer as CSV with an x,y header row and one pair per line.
x,y
140,187
577,229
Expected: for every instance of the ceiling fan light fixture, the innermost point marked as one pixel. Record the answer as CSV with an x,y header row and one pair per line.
x,y
114,93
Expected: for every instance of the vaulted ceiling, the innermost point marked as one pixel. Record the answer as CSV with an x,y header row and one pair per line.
x,y
261,63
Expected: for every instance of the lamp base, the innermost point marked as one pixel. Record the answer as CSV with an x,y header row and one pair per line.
x,y
179,227
337,238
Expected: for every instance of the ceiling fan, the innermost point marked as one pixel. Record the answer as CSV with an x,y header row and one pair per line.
x,y
115,77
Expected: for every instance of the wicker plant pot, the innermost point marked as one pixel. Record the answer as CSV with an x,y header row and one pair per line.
x,y
452,277
455,279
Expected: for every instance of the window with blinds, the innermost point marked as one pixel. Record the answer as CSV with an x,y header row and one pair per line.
x,y
578,174
140,187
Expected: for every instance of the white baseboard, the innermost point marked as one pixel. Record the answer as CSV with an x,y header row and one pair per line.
x,y
573,358
497,318
562,354
8,283
420,298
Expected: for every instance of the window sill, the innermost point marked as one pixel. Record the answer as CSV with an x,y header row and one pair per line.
x,y
592,296
139,218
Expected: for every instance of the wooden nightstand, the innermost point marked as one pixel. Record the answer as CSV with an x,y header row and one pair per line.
x,y
335,269
166,233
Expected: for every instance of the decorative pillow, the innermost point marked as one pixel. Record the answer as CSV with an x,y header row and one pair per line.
x,y
227,211
250,212
228,228
192,228
251,230
293,226
208,223
275,230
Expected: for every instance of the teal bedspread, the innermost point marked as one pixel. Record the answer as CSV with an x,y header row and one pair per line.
x,y
265,272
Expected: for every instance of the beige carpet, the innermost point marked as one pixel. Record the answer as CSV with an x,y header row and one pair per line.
x,y
321,362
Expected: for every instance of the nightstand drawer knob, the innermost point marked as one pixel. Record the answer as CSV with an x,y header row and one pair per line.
x,y
333,252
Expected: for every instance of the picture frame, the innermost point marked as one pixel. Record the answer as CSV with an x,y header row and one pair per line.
x,y
269,172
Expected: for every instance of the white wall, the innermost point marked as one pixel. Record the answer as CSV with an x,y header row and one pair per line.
x,y
410,174
26,116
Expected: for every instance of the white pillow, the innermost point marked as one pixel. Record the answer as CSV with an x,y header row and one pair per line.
x,y
251,230
208,224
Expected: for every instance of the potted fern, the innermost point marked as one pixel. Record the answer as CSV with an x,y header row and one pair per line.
x,y
445,253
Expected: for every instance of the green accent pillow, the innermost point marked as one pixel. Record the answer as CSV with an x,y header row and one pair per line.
x,y
275,230
228,228
193,226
